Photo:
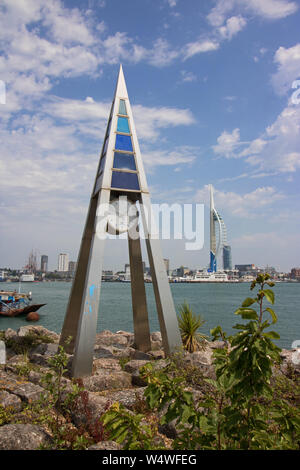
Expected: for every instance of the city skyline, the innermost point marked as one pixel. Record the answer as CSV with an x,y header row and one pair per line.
x,y
214,89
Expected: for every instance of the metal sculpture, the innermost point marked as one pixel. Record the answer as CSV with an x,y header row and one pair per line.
x,y
119,185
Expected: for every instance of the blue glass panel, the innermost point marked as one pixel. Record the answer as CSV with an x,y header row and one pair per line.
x,y
123,142
124,161
125,180
122,108
123,125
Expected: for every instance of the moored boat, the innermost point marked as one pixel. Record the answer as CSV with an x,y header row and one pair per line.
x,y
13,304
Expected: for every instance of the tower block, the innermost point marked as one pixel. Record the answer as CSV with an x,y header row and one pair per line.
x,y
120,184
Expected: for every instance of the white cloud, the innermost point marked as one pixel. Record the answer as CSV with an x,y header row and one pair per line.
x,y
183,154
227,143
267,9
248,205
150,120
232,26
67,25
187,76
255,147
199,47
288,68
90,116
271,9
275,151
162,53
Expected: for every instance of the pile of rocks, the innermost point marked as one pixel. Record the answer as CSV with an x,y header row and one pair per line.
x,y
115,378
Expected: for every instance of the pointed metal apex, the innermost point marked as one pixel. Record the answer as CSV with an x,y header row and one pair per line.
x,y
121,89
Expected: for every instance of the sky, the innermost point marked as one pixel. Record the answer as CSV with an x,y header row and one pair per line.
x,y
214,87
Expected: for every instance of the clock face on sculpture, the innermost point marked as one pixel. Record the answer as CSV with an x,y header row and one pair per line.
x,y
122,215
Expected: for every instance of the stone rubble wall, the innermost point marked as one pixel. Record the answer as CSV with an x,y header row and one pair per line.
x,y
115,378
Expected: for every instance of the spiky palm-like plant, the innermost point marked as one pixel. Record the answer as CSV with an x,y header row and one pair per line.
x,y
189,323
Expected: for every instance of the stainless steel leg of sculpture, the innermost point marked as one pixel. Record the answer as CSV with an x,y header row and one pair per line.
x,y
70,326
138,292
87,324
164,301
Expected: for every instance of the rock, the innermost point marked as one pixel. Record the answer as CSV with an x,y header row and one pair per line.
x,y
46,349
110,363
216,344
22,437
105,445
25,390
159,354
140,355
14,362
123,353
43,352
111,339
10,401
10,334
129,336
155,345
290,362
32,316
37,330
200,357
156,336
88,409
107,380
127,398
100,352
133,366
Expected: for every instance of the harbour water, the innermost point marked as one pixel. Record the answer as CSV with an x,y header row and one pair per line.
x,y
216,302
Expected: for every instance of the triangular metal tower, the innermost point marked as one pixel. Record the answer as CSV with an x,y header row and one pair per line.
x,y
120,182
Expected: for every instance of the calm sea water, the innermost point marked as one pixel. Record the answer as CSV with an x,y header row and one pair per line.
x,y
215,302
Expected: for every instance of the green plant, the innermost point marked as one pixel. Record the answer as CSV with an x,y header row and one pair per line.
x,y
22,345
24,367
189,323
123,361
6,415
240,411
128,429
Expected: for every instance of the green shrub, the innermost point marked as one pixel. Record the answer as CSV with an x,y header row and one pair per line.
x,y
241,411
189,324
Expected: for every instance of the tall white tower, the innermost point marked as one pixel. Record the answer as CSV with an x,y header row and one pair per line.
x,y
218,233
63,262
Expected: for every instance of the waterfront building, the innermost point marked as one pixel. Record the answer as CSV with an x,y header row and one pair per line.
x,y
107,275
295,273
72,267
227,260
63,262
167,264
182,271
44,263
218,234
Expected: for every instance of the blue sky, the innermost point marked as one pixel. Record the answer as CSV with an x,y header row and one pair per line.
x,y
211,87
